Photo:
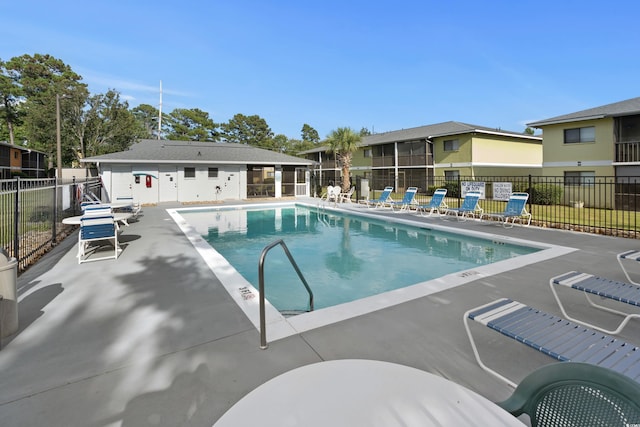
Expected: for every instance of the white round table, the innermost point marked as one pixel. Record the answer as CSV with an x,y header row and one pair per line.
x,y
363,393
122,217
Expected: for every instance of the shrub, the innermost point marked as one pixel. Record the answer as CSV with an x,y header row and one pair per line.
x,y
453,190
544,194
520,187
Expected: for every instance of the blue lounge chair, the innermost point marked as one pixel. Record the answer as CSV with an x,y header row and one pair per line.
x,y
385,197
436,204
407,201
97,224
514,210
604,288
628,256
468,208
554,336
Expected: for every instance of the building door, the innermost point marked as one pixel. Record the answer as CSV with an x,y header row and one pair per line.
x,y
168,183
121,182
302,182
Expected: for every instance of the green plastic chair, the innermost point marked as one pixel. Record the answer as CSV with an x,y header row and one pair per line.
x,y
576,394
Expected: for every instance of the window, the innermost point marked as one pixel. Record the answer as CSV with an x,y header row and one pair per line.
x,y
578,178
578,135
213,172
451,175
451,145
367,152
189,172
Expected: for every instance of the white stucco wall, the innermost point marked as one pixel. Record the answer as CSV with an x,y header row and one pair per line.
x,y
227,186
120,181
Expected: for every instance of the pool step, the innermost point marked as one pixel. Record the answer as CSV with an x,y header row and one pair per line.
x,y
290,313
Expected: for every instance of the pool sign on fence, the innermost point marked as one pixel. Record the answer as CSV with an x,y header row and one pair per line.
x,y
472,186
502,190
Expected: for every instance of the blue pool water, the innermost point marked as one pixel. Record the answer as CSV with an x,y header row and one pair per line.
x,y
343,257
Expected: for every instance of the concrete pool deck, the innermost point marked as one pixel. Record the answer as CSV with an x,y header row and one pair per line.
x,y
155,339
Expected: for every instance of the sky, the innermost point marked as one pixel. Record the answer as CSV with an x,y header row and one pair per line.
x,y
381,65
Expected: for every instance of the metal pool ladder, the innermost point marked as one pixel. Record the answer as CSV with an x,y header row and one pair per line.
x,y
263,326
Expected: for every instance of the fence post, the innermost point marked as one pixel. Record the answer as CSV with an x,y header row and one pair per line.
x,y
75,193
16,222
530,191
54,239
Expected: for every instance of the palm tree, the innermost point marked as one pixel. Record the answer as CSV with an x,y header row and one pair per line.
x,y
344,142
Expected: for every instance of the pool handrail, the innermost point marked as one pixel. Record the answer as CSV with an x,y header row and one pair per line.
x,y
263,326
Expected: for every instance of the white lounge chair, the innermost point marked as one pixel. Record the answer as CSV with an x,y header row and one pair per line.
x,y
468,209
605,288
331,195
436,204
385,197
407,201
97,224
346,197
628,257
514,210
554,336
135,208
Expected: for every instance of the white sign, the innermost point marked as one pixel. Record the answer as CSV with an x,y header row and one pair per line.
x,y
472,186
502,190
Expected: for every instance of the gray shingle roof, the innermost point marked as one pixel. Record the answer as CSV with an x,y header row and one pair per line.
x,y
19,147
430,131
436,130
622,108
162,151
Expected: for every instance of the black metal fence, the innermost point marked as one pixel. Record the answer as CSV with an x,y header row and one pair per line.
x,y
32,210
602,205
31,214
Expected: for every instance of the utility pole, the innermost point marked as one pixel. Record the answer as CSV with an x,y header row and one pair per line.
x,y
160,112
58,140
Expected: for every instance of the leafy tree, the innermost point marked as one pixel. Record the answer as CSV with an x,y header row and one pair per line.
x,y
105,125
251,130
41,79
298,146
281,143
147,116
190,125
309,134
529,131
10,112
344,142
365,132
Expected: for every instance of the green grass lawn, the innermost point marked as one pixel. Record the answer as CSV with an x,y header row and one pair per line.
x,y
554,215
602,218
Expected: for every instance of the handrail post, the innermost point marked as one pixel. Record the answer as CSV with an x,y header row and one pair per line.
x,y
263,324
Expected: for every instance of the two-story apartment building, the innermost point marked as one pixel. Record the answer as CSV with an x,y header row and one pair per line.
x,y
600,141
417,156
592,145
18,160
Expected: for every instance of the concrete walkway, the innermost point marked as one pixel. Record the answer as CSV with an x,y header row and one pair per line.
x,y
153,339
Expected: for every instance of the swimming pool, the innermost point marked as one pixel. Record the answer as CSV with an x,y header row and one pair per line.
x,y
343,257
354,262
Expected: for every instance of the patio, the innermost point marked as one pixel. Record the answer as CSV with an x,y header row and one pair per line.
x,y
154,339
